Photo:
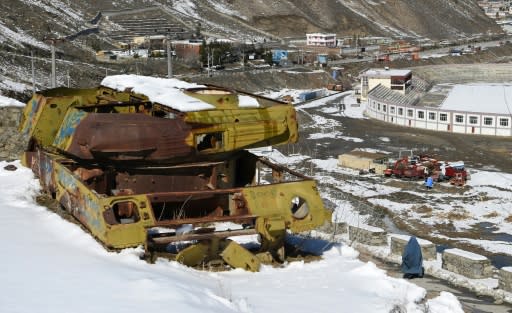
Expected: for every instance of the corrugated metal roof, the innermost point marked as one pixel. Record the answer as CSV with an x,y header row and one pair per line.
x,y
491,98
390,96
382,73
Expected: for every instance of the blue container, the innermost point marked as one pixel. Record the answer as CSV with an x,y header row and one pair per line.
x,y
278,55
322,58
305,96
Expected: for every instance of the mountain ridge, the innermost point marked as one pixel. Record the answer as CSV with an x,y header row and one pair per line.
x,y
28,26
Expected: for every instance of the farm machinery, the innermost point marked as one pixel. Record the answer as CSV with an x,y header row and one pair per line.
x,y
163,164
411,166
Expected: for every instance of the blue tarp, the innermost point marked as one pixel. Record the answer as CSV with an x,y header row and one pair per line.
x,y
412,260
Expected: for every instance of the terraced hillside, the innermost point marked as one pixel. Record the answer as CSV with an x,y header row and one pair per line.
x,y
27,25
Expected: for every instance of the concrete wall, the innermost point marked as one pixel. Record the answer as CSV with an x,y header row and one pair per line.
x,y
12,142
436,119
360,163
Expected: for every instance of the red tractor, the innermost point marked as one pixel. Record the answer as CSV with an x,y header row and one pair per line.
x,y
407,169
448,171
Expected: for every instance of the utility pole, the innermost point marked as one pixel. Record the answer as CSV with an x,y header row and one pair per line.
x,y
53,42
53,78
33,71
208,60
169,58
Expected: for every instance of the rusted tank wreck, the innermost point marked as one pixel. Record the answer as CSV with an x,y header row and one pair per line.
x,y
162,163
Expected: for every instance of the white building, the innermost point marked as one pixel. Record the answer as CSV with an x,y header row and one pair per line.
x,y
394,79
321,40
484,109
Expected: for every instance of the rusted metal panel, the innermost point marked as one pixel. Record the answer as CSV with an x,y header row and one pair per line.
x,y
123,166
130,137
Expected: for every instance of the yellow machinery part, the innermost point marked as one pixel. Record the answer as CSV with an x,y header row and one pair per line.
x,y
238,257
193,255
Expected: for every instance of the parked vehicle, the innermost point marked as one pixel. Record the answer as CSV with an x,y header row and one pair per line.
x,y
413,166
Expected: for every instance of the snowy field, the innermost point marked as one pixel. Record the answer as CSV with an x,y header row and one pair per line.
x,y
54,266
486,198
51,265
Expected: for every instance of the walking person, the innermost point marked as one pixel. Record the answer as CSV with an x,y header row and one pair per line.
x,y
429,182
412,260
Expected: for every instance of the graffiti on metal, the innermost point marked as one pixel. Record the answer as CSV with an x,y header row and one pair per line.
x,y
66,131
139,179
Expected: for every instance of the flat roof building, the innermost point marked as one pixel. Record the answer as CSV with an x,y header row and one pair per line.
x,y
484,109
395,79
489,98
321,40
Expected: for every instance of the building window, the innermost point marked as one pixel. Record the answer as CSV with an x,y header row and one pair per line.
x,y
400,111
378,106
409,113
421,114
392,110
503,121
384,107
431,116
443,117
459,118
488,121
473,120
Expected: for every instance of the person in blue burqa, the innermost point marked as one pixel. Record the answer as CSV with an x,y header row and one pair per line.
x,y
429,182
412,260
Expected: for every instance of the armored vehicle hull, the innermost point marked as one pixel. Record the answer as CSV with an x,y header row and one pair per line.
x,y
138,172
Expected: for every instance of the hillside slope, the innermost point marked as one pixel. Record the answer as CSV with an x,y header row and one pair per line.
x,y
435,19
27,25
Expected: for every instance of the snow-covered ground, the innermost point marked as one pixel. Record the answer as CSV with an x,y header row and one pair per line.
x,y
487,197
54,266
51,265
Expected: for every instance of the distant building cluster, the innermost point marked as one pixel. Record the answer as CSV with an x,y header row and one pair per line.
x,y
321,39
496,9
482,109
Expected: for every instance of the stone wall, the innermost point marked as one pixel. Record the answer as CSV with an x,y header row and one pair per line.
x,y
398,243
505,278
368,235
467,263
12,143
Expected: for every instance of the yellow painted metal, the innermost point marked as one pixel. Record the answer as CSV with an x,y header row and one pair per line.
x,y
50,119
193,255
64,135
272,233
238,257
274,202
249,127
90,208
44,113
219,97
